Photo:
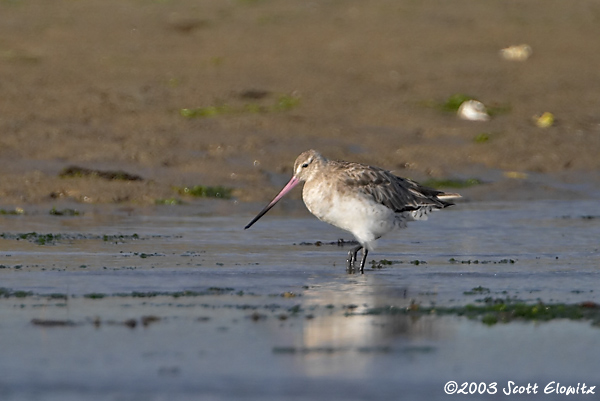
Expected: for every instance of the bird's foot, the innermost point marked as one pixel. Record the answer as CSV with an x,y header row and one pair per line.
x,y
363,260
352,260
350,263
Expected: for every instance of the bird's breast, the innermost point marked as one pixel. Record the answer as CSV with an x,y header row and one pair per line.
x,y
319,198
349,210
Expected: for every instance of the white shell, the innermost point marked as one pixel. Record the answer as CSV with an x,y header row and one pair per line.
x,y
516,53
473,110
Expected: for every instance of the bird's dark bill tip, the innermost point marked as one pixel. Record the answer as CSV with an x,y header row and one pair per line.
x,y
250,224
258,216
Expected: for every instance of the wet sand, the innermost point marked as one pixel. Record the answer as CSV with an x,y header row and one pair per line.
x,y
102,84
163,306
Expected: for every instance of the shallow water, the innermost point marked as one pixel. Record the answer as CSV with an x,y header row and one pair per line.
x,y
268,318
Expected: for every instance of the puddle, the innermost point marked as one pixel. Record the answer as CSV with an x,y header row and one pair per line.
x,y
161,305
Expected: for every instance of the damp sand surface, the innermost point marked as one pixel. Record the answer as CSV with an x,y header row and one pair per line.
x,y
165,303
230,92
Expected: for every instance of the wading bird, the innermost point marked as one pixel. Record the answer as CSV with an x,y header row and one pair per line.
x,y
364,200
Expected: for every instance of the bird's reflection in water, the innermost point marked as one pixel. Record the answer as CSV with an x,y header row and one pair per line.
x,y
349,334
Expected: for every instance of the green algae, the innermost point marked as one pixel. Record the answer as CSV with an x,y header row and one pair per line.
x,y
483,262
482,137
499,311
204,191
283,103
94,295
477,290
36,238
52,323
286,103
64,212
169,202
8,293
111,175
52,239
15,212
177,294
383,263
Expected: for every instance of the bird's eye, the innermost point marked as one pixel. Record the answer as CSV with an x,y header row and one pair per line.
x,y
305,165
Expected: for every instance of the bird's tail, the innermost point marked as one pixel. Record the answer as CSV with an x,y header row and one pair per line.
x,y
447,196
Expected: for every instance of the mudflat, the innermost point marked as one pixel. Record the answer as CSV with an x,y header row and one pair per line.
x,y
228,93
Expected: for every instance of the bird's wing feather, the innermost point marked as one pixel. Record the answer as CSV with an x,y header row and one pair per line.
x,y
398,194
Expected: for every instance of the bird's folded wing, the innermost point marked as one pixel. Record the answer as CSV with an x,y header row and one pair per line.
x,y
398,194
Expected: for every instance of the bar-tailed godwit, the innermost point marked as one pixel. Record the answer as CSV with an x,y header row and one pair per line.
x,y
364,200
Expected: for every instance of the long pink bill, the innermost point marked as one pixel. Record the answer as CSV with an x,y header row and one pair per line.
x,y
293,182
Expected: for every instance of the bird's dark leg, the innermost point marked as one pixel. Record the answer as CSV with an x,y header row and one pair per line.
x,y
363,260
352,258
